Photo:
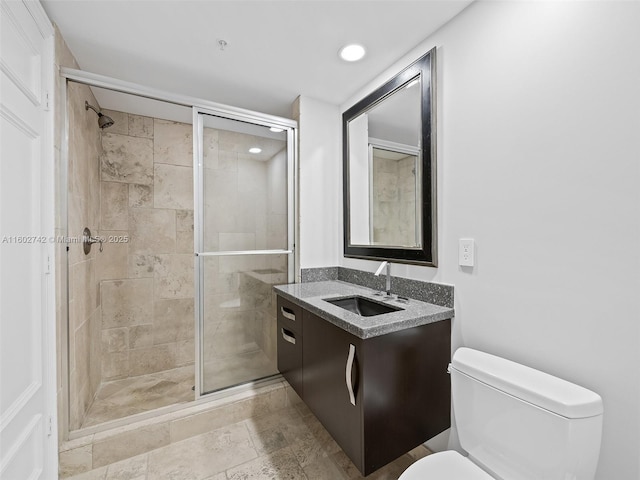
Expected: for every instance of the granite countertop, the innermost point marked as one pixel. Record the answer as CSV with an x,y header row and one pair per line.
x,y
311,297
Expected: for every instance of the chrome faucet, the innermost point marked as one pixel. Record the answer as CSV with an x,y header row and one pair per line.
x,y
379,271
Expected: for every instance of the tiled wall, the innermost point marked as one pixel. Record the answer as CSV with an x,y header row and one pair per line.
x,y
146,269
394,201
76,185
76,206
85,314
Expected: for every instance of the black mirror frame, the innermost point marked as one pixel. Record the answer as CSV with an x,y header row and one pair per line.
x,y
427,254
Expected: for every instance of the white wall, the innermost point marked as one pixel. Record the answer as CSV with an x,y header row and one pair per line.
x,y
539,161
359,176
320,183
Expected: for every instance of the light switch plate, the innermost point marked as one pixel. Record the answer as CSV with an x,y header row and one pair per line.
x,y
466,252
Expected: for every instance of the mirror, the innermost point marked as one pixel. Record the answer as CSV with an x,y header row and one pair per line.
x,y
389,169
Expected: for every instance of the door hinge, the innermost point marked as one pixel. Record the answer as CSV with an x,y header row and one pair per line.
x,y
47,100
47,265
50,426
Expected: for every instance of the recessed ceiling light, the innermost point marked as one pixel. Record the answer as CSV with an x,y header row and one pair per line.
x,y
255,150
352,53
276,129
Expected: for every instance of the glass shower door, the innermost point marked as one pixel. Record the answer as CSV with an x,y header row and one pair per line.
x,y
244,245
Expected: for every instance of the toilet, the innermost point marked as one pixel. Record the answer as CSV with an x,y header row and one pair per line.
x,y
515,423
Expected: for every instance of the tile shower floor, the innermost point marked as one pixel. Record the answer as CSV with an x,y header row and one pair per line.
x,y
121,398
289,444
240,368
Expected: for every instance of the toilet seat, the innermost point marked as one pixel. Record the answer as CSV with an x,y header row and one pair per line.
x,y
449,465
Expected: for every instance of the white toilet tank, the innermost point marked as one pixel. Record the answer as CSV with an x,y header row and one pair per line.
x,y
522,424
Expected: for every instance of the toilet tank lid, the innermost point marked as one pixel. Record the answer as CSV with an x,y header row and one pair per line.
x,y
533,386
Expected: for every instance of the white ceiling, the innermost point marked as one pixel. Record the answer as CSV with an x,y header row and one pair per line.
x,y
277,49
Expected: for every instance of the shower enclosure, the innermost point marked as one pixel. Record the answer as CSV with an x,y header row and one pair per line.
x,y
191,204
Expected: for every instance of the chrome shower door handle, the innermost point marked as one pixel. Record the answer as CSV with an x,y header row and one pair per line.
x,y
348,373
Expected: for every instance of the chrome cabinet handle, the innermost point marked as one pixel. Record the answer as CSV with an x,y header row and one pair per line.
x,y
286,313
348,372
288,336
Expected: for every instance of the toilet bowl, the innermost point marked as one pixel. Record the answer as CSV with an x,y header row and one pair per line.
x,y
515,423
449,465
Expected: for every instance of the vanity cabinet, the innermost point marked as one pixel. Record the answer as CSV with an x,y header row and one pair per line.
x,y
378,397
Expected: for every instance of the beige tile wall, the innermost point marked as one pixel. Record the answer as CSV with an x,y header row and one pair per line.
x,y
63,58
146,215
83,211
394,194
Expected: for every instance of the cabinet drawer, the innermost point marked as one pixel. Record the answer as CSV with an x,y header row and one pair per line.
x,y
290,354
289,313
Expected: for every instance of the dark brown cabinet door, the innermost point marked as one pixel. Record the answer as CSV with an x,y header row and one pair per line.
x,y
407,391
331,367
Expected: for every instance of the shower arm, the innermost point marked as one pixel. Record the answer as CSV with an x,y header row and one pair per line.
x,y
88,106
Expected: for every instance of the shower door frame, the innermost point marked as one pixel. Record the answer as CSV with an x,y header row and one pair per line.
x,y
197,105
290,126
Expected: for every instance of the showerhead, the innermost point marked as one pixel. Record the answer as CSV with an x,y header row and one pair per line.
x,y
104,121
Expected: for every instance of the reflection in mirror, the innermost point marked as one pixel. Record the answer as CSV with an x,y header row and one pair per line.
x,y
394,207
379,183
389,165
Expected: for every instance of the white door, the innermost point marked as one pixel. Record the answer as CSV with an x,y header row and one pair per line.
x,y
27,446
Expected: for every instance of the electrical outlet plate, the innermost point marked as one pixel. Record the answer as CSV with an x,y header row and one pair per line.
x,y
466,252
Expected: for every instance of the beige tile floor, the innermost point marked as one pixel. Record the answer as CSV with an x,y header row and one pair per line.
x,y
290,444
